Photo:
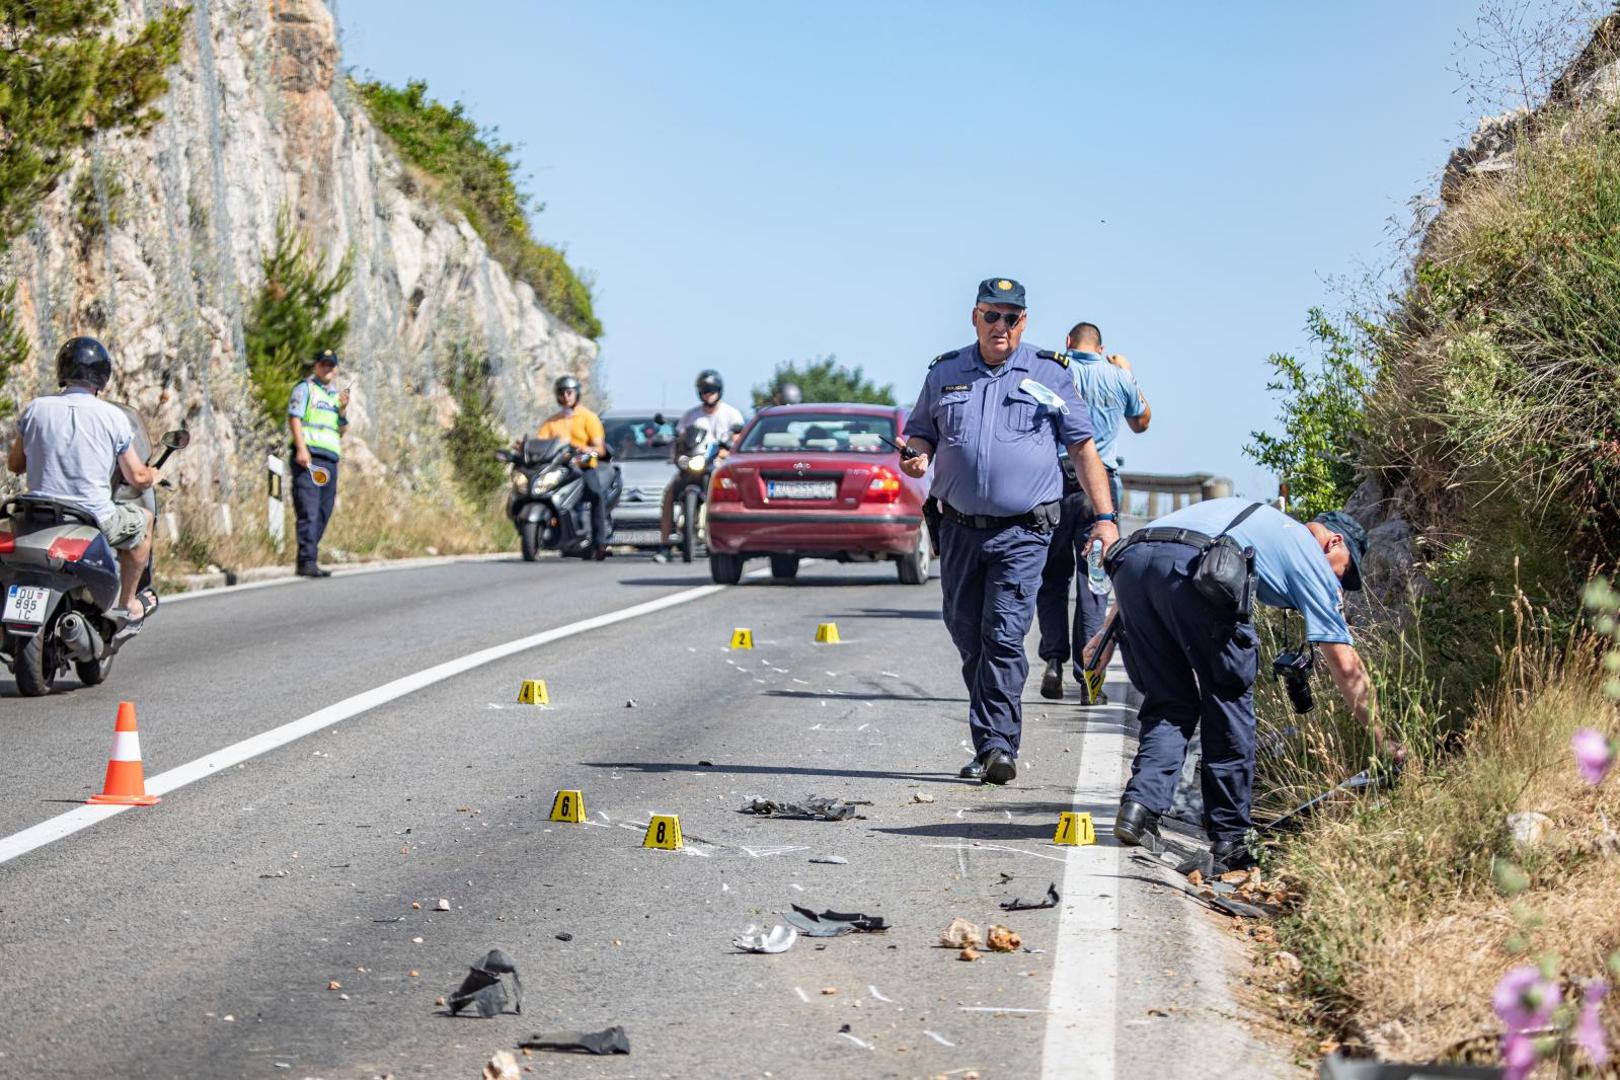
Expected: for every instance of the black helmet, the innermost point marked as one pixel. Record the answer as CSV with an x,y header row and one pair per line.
x,y
83,360
790,393
709,382
567,382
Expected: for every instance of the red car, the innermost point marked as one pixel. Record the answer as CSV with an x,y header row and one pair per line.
x,y
817,480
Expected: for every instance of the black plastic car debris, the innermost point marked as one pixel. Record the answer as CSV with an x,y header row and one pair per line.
x,y
484,989
612,1040
815,808
1049,900
833,923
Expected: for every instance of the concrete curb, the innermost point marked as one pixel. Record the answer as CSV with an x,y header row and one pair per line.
x,y
261,576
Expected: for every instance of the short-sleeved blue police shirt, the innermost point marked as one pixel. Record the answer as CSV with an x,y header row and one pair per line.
x,y
1110,393
1292,569
995,443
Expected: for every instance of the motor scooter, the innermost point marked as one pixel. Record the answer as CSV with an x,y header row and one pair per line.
x,y
60,581
547,501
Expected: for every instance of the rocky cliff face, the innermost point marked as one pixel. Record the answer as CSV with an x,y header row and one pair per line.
x,y
155,245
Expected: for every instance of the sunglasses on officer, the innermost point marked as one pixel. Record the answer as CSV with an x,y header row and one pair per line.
x,y
992,317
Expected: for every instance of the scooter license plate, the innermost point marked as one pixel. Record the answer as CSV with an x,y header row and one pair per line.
x,y
26,604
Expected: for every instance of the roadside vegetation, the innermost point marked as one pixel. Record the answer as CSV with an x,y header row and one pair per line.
x,y
293,316
1482,405
64,80
472,170
825,379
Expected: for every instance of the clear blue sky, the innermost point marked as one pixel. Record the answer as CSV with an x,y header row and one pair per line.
x,y
751,183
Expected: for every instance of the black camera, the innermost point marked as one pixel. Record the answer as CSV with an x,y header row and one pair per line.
x,y
1294,669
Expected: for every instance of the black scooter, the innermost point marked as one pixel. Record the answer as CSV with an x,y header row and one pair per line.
x,y
60,582
547,501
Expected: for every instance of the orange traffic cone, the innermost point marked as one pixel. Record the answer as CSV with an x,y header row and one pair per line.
x,y
126,783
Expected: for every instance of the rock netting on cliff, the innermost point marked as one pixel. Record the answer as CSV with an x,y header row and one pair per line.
x,y
155,245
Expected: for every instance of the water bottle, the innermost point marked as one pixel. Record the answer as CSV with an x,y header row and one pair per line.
x,y
1096,578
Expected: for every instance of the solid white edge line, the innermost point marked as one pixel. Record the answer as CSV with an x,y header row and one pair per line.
x,y
64,825
1080,1040
355,571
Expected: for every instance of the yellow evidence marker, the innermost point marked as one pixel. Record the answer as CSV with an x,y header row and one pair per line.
x,y
1092,686
1075,829
827,634
568,806
742,639
533,692
664,831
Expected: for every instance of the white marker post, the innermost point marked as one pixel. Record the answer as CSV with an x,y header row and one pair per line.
x,y
276,472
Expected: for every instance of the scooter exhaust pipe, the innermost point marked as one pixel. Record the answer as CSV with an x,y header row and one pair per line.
x,y
78,636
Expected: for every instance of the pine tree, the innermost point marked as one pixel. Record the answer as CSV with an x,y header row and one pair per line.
x,y
292,318
825,379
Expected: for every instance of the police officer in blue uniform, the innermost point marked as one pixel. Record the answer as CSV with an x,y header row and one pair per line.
x,y
989,420
1196,663
1108,387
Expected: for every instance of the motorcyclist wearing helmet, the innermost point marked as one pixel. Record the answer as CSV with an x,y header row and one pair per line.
x,y
582,429
70,444
717,420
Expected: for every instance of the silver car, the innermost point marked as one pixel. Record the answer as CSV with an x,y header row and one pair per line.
x,y
641,449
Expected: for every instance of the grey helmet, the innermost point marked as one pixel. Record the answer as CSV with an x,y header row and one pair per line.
x,y
567,382
83,360
709,381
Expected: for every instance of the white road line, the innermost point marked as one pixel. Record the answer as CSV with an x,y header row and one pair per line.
x,y
64,825
353,571
1085,969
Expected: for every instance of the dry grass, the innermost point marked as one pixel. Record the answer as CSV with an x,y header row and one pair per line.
x,y
1402,931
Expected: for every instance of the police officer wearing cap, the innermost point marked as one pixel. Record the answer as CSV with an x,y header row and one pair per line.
x,y
989,421
315,416
1195,661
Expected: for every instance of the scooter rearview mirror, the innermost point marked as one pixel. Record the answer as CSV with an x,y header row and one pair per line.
x,y
176,440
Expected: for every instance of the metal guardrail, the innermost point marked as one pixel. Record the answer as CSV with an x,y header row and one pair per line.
x,y
1152,495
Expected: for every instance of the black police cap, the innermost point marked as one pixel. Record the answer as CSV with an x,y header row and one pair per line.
x,y
1355,542
1001,291
325,356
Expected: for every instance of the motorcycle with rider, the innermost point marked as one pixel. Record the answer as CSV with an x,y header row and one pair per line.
x,y
702,438
564,485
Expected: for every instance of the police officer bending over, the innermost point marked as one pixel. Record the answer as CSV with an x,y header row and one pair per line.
x,y
1194,657
990,419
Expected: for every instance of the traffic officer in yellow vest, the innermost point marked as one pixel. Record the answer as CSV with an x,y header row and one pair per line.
x,y
315,417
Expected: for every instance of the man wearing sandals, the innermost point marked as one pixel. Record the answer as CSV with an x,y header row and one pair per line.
x,y
70,445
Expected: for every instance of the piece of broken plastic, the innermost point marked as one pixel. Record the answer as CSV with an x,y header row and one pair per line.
x,y
1049,900
833,923
612,1040
815,807
756,939
830,860
483,988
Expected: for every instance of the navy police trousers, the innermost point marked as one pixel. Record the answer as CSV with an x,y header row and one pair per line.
x,y
312,503
989,578
1195,668
1063,558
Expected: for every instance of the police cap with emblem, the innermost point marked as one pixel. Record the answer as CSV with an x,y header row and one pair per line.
x,y
1001,291
324,356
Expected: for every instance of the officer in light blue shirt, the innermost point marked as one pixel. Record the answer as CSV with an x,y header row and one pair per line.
x,y
990,420
1109,389
1196,665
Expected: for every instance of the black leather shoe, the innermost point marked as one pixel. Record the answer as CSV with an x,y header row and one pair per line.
x,y
311,570
999,768
973,770
1052,681
1137,826
1231,855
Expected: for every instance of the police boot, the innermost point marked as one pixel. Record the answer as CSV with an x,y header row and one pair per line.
x,y
1137,826
973,770
999,768
1231,855
1052,681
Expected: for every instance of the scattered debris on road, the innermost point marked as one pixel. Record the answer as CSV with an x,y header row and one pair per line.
x,y
484,989
564,936
611,1040
334,985
757,939
847,1033
815,807
442,905
630,704
960,934
833,923
277,874
921,797
502,1065
1050,900
830,860
1003,939
968,953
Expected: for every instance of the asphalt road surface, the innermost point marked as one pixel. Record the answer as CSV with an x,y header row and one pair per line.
x,y
337,756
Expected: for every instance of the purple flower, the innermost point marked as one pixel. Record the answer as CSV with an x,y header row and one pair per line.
x,y
1594,754
1524,999
1519,1055
1588,1032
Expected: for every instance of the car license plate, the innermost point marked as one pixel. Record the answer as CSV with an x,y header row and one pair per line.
x,y
26,604
802,489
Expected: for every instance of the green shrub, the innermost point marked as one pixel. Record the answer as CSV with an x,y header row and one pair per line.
x,y
477,174
474,435
825,379
292,318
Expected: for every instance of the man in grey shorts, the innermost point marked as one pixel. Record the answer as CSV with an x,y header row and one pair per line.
x,y
70,443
